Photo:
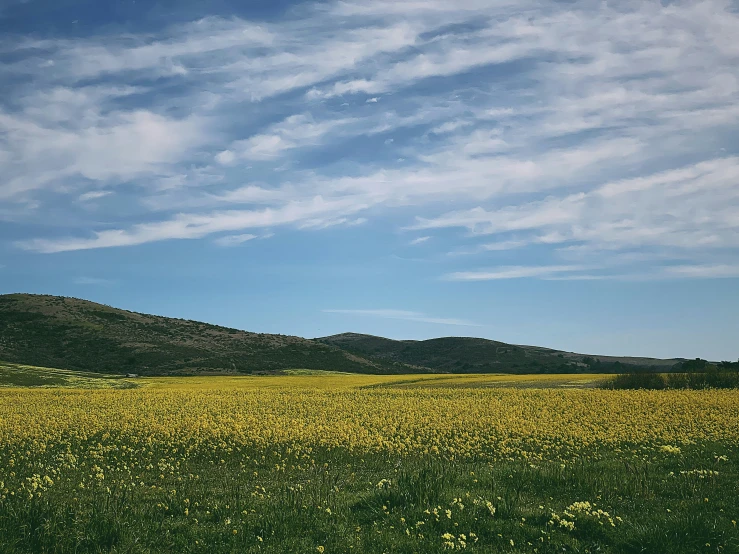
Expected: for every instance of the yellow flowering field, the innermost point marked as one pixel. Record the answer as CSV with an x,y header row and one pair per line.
x,y
450,422
345,462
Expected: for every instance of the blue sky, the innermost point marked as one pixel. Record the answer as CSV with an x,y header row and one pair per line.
x,y
563,174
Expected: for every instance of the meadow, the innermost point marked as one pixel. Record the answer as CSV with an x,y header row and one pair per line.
x,y
333,463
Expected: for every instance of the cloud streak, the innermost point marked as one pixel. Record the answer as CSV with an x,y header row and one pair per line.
x,y
405,316
234,240
419,240
514,272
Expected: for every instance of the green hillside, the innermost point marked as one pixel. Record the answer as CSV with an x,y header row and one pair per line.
x,y
69,333
73,334
474,355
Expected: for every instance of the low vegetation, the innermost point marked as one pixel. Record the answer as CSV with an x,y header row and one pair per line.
x,y
350,463
695,374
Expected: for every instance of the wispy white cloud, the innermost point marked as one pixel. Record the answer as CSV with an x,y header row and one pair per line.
x,y
100,149
499,246
406,316
419,240
295,131
692,209
609,271
325,222
234,240
226,157
583,129
94,195
704,271
313,213
513,272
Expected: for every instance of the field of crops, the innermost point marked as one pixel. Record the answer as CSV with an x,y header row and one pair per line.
x,y
342,463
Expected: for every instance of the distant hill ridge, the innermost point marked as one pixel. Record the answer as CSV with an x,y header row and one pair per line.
x,y
475,355
70,333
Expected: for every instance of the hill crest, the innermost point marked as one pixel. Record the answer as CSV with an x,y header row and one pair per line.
x,y
71,333
478,355
77,334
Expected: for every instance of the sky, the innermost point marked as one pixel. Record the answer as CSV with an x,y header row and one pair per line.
x,y
562,174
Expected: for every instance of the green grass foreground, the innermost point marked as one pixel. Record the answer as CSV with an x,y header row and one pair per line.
x,y
210,465
639,501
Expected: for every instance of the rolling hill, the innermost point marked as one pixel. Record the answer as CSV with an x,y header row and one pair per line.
x,y
474,355
74,334
69,333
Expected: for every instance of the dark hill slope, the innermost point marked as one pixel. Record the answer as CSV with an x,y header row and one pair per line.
x,y
474,355
68,333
